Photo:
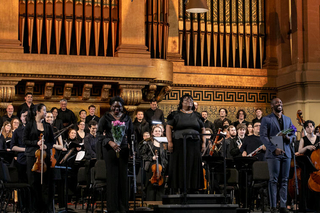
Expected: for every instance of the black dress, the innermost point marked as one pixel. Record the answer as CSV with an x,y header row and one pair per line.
x,y
184,123
311,197
117,168
153,191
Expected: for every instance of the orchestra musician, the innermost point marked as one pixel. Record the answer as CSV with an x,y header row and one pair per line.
x,y
148,151
278,160
43,194
6,135
116,156
235,145
185,121
306,146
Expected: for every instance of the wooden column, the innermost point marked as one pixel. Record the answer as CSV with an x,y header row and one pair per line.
x,y
9,29
132,30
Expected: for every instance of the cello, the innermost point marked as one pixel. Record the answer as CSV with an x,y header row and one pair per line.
x,y
156,170
314,179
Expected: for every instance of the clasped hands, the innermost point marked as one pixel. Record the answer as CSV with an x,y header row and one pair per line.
x,y
114,146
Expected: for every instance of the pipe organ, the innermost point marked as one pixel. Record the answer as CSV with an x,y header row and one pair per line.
x,y
72,27
157,27
230,34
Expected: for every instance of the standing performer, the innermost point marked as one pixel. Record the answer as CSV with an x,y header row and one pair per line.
x,y
278,159
152,152
43,194
306,146
185,121
116,156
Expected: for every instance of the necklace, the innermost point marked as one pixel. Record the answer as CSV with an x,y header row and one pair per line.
x,y
189,111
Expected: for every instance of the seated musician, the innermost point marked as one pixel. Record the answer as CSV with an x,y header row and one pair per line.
x,y
209,141
252,143
90,146
6,135
59,143
235,145
232,139
151,152
307,146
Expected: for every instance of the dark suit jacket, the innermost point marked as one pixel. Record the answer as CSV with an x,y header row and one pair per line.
x,y
270,127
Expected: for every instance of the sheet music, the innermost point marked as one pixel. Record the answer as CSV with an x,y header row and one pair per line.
x,y
161,139
80,155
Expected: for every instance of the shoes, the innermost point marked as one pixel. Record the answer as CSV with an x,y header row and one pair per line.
x,y
284,210
273,210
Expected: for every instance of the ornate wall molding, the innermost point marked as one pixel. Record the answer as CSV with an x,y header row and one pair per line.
x,y
7,90
48,90
223,96
86,91
67,91
131,94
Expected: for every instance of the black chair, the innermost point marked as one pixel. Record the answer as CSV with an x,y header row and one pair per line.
x,y
9,181
232,183
81,185
99,181
260,178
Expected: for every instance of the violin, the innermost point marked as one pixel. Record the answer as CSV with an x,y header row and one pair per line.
x,y
292,181
156,170
213,148
40,166
314,179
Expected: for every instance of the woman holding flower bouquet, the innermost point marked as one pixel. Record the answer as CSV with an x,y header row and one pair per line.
x,y
114,132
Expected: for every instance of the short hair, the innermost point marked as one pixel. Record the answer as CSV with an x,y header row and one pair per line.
x,y
140,111
204,111
224,120
23,110
307,122
82,111
116,98
54,108
146,133
28,93
209,130
244,113
63,100
230,127
258,109
92,123
224,110
256,121
153,100
92,106
241,126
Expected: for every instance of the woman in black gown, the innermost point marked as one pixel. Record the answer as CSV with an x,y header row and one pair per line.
x,y
306,147
42,194
116,164
185,121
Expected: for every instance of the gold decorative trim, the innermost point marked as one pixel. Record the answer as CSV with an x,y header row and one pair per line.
x,y
222,86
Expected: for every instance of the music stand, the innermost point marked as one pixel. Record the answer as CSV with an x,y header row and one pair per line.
x,y
7,156
67,210
244,164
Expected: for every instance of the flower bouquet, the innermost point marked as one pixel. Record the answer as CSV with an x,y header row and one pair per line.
x,y
118,131
292,129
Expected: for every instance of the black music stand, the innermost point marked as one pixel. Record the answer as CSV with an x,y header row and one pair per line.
x,y
185,165
7,156
67,210
244,164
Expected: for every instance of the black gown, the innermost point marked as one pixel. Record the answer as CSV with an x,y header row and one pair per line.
x,y
184,123
117,168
